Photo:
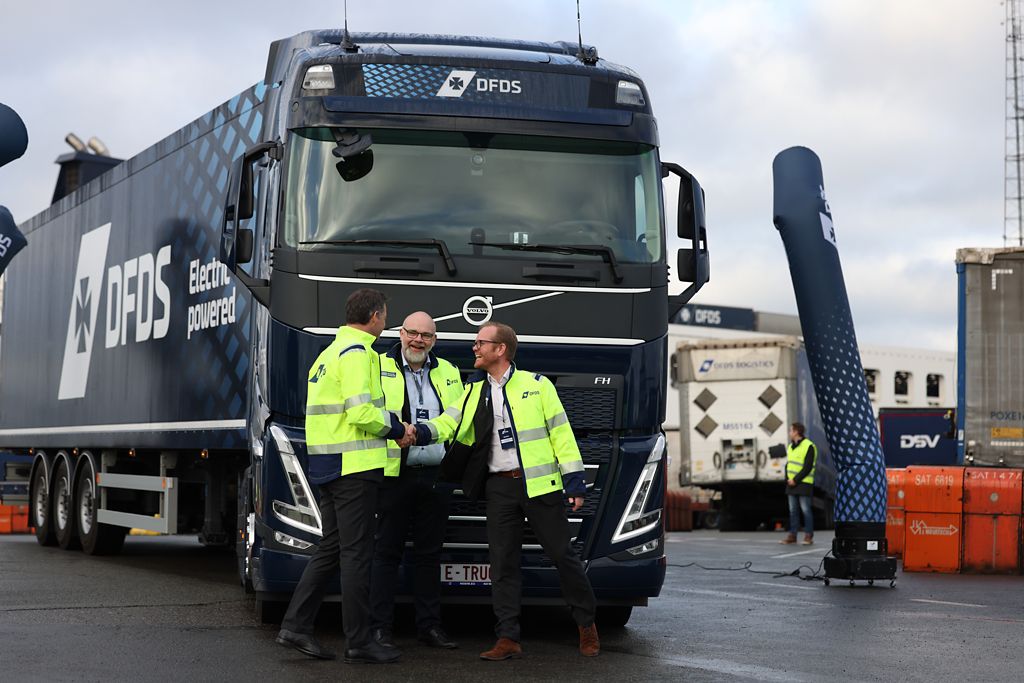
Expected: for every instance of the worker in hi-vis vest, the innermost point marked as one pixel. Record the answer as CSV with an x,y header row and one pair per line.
x,y
800,457
347,427
513,442
418,385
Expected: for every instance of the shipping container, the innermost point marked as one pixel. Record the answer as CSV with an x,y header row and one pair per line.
x,y
918,436
990,357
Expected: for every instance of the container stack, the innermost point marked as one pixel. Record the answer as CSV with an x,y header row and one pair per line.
x,y
956,519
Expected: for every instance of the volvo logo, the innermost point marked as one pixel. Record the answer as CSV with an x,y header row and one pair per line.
x,y
477,310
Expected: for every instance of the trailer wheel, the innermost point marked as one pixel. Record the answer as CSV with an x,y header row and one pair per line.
x,y
41,509
614,616
64,507
96,538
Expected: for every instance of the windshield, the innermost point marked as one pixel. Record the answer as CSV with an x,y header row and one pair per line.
x,y
488,188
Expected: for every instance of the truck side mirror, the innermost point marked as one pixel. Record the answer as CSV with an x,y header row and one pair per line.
x,y
693,264
243,246
237,244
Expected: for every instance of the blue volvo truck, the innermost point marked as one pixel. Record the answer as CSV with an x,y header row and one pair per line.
x,y
158,330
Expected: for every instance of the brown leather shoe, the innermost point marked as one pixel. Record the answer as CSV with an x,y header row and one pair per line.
x,y
790,539
505,648
590,645
808,539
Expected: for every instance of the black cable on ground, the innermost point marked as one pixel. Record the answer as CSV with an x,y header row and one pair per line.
x,y
815,574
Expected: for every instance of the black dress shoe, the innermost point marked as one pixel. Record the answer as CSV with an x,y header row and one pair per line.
x,y
307,645
372,653
436,637
383,637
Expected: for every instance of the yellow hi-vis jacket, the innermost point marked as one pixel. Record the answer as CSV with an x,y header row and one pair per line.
x,y
795,457
346,422
445,382
544,442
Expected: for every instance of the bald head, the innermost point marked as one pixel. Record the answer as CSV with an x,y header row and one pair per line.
x,y
418,335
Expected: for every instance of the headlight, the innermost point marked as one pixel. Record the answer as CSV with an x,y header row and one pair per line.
x,y
635,521
319,77
303,513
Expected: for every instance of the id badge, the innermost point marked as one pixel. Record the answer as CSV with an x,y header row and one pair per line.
x,y
422,415
508,442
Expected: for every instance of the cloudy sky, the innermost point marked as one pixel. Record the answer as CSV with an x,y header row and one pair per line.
x,y
902,100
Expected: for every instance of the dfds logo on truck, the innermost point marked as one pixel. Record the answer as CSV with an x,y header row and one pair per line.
x,y
136,293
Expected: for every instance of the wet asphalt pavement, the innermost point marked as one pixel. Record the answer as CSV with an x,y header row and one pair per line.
x,y
169,609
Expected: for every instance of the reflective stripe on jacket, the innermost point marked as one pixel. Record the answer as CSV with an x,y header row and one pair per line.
x,y
545,444
346,421
795,457
444,380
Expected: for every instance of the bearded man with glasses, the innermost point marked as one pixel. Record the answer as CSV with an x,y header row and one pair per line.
x,y
512,442
417,385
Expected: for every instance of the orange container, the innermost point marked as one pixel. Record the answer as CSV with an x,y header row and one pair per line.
x,y
897,481
19,519
6,518
992,508
895,528
934,489
992,490
932,542
991,544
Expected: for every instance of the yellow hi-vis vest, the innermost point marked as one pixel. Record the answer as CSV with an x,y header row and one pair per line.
x,y
346,421
795,457
444,379
544,440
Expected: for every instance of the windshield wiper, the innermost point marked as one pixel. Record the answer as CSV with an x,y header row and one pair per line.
x,y
441,247
606,253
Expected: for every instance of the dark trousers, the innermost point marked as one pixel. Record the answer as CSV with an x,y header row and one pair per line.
x,y
347,506
409,499
507,504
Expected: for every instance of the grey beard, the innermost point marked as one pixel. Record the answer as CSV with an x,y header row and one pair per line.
x,y
414,356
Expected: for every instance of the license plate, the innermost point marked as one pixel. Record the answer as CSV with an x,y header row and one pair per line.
x,y
466,574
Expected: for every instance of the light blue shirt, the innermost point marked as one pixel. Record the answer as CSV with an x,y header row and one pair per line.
x,y
421,396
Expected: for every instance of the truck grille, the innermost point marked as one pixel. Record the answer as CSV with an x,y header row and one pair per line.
x,y
467,521
589,408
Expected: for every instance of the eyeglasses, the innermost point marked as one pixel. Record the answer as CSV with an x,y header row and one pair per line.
x,y
481,342
412,334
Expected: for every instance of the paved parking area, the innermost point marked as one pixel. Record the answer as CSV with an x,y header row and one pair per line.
x,y
168,609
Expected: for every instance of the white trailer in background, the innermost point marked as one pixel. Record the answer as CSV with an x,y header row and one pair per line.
x,y
736,400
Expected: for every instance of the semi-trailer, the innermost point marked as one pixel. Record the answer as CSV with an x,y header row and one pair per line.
x,y
158,330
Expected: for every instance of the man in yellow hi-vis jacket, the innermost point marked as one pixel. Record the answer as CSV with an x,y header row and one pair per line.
x,y
512,441
346,431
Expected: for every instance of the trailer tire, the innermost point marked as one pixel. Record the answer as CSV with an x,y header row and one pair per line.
x,y
709,519
614,616
96,538
63,506
42,506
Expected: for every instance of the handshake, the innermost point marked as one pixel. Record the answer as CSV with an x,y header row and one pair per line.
x,y
410,436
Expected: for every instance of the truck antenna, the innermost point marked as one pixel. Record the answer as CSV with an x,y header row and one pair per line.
x,y
346,40
586,55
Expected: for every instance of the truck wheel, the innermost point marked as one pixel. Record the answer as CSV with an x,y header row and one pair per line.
x,y
614,616
41,508
270,611
709,519
64,507
96,538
